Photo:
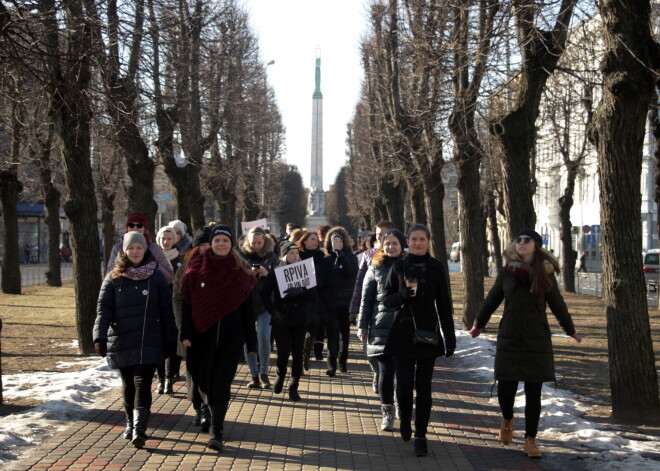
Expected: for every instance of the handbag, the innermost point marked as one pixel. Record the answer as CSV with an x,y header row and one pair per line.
x,y
424,337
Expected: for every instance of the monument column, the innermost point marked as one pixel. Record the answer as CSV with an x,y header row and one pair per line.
x,y
316,214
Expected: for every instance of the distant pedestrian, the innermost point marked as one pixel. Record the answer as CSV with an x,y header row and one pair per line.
x,y
417,287
135,328
524,345
217,318
582,263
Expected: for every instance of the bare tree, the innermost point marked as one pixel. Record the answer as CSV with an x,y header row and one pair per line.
x,y
617,131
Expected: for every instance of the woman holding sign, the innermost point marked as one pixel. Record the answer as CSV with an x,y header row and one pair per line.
x,y
217,318
418,288
288,316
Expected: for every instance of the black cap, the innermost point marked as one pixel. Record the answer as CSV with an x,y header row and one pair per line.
x,y
202,235
223,229
534,235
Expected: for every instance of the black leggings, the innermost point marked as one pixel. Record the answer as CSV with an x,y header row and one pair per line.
x,y
290,341
417,375
338,324
506,395
170,368
136,385
385,364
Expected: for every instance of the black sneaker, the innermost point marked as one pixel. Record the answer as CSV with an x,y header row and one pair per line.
x,y
421,448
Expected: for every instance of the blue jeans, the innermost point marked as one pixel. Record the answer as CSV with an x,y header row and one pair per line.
x,y
263,348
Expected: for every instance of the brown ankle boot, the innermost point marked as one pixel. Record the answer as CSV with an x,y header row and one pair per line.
x,y
506,431
531,450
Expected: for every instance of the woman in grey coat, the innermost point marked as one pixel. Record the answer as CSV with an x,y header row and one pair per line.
x,y
375,320
135,328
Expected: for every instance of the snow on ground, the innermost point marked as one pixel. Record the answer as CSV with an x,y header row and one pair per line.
x,y
68,395
603,448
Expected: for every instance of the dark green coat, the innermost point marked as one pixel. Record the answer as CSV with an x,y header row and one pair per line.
x,y
524,344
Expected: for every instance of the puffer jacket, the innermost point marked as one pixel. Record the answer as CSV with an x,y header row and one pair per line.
x,y
338,273
374,316
267,259
136,319
524,341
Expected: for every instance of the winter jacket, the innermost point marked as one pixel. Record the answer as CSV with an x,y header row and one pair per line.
x,y
136,319
164,265
338,271
316,312
267,259
291,307
363,266
374,316
432,304
524,344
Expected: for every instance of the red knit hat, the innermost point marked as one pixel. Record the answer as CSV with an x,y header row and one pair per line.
x,y
138,218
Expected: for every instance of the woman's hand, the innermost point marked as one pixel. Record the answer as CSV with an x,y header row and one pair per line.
x,y
362,335
474,332
576,338
186,343
262,271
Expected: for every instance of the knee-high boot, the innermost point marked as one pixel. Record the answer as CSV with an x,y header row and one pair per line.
x,y
218,412
307,351
279,384
293,390
140,417
128,433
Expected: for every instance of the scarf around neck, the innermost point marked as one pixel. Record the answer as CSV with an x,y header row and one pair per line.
x,y
140,273
171,254
215,287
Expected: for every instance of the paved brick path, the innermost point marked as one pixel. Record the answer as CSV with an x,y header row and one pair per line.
x,y
336,426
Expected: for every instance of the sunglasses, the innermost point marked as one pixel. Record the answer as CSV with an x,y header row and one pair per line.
x,y
526,240
132,225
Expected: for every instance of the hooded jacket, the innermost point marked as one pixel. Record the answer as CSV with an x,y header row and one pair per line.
x,y
338,272
524,343
267,258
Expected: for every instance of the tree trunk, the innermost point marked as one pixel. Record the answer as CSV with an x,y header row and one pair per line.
x,y
108,227
10,187
494,232
618,129
394,202
569,255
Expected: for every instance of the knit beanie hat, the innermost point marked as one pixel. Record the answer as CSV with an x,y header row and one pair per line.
x,y
336,234
202,235
284,249
137,217
223,229
399,235
176,224
534,235
163,230
133,238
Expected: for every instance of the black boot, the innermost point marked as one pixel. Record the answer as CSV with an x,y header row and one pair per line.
x,y
293,390
307,351
405,429
343,358
197,420
215,441
140,427
279,384
169,386
206,417
421,447
161,385
332,366
318,351
128,433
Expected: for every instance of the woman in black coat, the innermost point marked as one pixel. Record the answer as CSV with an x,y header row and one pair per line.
x,y
217,318
524,345
135,328
425,307
310,247
289,318
338,273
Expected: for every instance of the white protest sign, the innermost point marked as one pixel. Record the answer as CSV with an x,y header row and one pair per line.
x,y
296,275
246,226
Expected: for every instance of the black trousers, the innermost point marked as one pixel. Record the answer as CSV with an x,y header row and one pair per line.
x,y
136,385
170,368
506,395
418,375
193,391
386,371
338,324
290,341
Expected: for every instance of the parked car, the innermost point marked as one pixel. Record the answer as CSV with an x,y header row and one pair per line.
x,y
651,268
455,252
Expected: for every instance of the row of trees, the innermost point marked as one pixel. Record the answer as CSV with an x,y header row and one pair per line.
x,y
94,96
462,83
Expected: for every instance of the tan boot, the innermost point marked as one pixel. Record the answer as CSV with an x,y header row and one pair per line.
x,y
506,431
531,450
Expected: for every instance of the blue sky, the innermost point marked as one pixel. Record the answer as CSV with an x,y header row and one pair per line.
x,y
289,32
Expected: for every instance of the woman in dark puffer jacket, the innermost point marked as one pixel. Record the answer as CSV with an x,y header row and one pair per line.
x,y
135,328
309,247
338,272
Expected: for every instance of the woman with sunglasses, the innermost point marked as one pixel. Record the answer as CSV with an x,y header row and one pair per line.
x,y
524,346
417,288
137,222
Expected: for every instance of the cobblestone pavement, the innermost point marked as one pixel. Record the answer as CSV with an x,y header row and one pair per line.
x,y
335,426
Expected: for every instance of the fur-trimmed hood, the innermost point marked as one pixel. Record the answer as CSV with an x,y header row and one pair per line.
x,y
327,243
550,263
269,246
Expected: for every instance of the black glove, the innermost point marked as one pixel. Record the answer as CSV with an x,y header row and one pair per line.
x,y
277,319
449,352
101,347
407,293
292,292
170,348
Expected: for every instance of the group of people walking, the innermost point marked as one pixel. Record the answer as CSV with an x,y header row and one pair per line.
x,y
213,299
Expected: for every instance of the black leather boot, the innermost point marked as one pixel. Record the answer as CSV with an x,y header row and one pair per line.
x,y
215,440
128,433
161,385
140,416
197,420
307,351
279,383
332,366
169,386
293,390
206,417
